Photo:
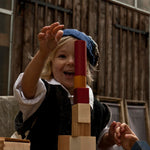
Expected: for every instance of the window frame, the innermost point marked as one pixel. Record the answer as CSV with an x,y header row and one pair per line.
x,y
11,14
130,6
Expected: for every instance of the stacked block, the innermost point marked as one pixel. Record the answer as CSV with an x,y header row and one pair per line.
x,y
81,120
81,113
81,138
81,95
79,81
67,142
14,144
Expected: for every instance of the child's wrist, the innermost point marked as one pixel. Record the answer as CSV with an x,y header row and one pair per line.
x,y
104,141
43,54
111,139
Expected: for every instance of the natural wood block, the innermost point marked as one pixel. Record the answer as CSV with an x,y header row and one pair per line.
x,y
79,81
14,144
81,129
67,142
81,95
83,143
64,142
81,113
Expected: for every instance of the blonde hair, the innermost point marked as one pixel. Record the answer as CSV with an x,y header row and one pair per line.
x,y
47,70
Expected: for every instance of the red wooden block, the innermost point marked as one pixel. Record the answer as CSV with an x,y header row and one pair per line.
x,y
81,95
80,57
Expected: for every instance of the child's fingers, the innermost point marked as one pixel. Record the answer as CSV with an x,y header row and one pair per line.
x,y
115,132
41,36
53,29
113,127
59,35
117,124
57,28
52,26
49,28
118,131
113,124
117,139
124,127
44,29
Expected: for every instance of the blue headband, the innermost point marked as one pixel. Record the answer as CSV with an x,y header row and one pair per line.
x,y
92,53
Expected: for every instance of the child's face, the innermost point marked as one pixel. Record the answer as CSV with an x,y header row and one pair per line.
x,y
63,65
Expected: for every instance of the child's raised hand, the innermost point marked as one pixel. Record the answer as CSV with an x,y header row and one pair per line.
x,y
49,36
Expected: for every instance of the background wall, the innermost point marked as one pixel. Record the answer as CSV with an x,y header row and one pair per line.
x,y
121,33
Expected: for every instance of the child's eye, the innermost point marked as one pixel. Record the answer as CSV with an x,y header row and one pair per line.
x,y
62,56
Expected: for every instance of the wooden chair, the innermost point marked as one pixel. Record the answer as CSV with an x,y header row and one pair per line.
x,y
117,108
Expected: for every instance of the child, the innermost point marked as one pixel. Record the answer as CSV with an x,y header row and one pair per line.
x,y
45,104
129,140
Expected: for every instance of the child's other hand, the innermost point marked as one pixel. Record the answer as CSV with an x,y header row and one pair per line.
x,y
49,36
112,132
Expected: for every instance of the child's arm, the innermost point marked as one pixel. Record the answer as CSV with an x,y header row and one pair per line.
x,y
48,38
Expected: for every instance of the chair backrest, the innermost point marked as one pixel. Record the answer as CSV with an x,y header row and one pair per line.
x,y
137,118
8,110
116,106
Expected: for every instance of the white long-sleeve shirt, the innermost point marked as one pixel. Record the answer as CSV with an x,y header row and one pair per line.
x,y
29,106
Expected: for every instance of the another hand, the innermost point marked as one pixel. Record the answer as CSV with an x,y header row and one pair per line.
x,y
127,136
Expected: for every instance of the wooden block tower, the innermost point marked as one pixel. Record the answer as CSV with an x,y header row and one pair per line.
x,y
81,138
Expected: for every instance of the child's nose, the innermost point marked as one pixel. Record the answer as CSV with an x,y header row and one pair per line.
x,y
71,60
